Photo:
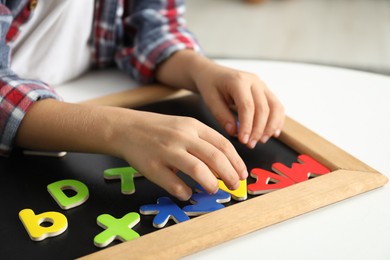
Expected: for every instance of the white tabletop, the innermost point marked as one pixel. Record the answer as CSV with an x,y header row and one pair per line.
x,y
349,108
352,110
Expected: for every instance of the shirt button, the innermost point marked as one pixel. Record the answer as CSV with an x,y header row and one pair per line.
x,y
32,4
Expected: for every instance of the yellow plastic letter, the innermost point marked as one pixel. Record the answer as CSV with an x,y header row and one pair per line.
x,y
37,232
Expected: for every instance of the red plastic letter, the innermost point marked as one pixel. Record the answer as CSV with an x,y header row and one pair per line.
x,y
308,167
267,181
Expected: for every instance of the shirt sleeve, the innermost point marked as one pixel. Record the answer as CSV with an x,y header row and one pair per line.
x,y
16,94
154,30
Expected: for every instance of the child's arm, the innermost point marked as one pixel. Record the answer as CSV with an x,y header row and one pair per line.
x,y
260,113
156,145
163,43
16,94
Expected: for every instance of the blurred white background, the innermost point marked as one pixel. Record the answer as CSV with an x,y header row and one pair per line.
x,y
347,33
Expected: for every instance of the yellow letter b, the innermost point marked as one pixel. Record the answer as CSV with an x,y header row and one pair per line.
x,y
33,224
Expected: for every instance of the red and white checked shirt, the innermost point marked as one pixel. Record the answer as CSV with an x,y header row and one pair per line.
x,y
136,35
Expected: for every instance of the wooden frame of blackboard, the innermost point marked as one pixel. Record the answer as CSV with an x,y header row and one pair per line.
x,y
348,177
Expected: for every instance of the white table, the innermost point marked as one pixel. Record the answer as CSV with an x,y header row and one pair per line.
x,y
349,108
352,110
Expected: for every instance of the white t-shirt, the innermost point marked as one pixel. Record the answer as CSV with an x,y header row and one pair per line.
x,y
53,45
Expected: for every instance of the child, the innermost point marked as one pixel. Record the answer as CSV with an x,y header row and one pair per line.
x,y
51,41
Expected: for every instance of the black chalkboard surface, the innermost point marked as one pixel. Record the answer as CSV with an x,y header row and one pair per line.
x,y
25,179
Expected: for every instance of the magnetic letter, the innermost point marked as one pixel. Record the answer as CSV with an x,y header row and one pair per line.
x,y
164,210
56,190
205,203
299,172
32,223
267,181
116,228
126,174
239,194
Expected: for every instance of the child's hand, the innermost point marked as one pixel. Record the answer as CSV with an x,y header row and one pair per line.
x,y
260,114
158,146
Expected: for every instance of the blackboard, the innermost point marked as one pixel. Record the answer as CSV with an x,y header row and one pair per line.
x,y
25,179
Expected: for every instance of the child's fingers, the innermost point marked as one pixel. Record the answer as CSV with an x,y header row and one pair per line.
x,y
246,109
197,170
276,117
268,115
205,157
219,108
228,156
261,115
216,160
169,181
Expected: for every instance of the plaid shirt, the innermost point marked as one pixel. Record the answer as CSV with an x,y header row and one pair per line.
x,y
136,35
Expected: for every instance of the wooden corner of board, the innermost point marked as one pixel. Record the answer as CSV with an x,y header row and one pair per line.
x,y
305,141
138,96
